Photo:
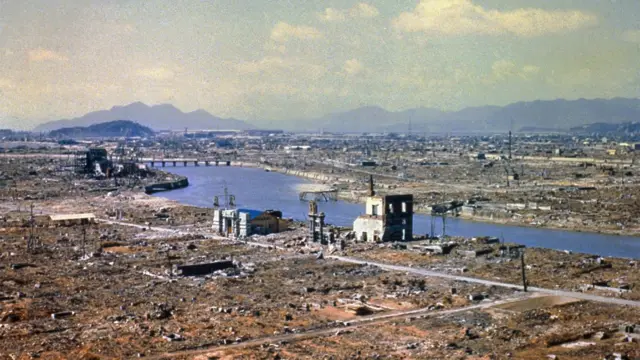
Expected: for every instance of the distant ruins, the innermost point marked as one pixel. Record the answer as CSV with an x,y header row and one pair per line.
x,y
316,223
387,218
240,223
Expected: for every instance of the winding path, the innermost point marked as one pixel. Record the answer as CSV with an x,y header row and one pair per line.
x,y
412,270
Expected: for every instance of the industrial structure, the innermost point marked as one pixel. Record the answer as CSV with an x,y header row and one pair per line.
x,y
231,222
316,223
387,218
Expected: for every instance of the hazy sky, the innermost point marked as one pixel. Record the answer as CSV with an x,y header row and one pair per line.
x,y
284,59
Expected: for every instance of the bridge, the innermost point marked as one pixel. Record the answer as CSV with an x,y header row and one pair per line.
x,y
317,192
185,161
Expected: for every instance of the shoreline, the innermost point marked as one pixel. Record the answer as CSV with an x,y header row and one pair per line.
x,y
179,183
350,198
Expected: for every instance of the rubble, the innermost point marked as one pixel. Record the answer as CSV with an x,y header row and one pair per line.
x,y
109,289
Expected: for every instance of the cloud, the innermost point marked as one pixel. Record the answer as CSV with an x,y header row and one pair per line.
x,y
332,15
631,36
42,55
120,29
265,64
530,69
502,70
352,67
463,17
283,32
360,10
280,67
6,84
156,73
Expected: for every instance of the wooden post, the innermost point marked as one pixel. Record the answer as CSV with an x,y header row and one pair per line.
x,y
524,276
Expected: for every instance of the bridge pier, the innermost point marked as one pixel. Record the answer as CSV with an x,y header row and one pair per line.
x,y
228,163
217,162
206,163
152,163
164,163
196,163
185,163
174,163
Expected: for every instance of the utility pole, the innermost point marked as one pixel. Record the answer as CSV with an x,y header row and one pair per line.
x,y
524,275
84,238
31,242
506,169
444,216
444,224
509,145
433,225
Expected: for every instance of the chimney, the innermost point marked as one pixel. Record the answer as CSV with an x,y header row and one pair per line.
x,y
371,192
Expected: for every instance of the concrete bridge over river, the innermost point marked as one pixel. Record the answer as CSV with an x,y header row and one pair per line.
x,y
185,161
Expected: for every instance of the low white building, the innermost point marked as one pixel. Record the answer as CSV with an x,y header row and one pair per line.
x,y
232,222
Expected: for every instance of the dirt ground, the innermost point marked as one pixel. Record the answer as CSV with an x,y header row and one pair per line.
x,y
110,289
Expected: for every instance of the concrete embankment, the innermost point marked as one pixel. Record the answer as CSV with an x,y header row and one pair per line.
x,y
178,183
344,195
299,173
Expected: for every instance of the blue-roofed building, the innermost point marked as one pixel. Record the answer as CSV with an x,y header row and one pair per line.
x,y
252,213
244,222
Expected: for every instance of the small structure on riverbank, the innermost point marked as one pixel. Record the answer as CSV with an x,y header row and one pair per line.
x,y
241,223
318,193
231,222
71,219
387,218
268,222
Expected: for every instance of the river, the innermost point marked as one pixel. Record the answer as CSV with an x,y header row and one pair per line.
x,y
261,190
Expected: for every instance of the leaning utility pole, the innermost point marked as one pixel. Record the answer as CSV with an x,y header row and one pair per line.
x,y
524,275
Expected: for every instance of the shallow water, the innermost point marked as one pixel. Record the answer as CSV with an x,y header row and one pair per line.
x,y
261,190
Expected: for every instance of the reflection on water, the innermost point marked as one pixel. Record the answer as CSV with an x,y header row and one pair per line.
x,y
261,190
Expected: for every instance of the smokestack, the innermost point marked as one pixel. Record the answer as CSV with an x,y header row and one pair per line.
x,y
509,144
371,192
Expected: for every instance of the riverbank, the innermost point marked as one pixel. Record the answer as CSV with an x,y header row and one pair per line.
x,y
572,224
119,272
178,183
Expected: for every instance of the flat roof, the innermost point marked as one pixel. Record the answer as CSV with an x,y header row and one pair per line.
x,y
64,217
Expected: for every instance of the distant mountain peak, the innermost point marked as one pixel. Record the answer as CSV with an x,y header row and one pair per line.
x,y
133,105
199,112
116,128
552,115
156,117
164,106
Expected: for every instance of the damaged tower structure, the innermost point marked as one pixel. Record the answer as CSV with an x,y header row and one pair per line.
x,y
387,218
316,222
230,221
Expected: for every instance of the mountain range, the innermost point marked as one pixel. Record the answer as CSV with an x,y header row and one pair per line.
x,y
553,115
550,115
157,117
115,128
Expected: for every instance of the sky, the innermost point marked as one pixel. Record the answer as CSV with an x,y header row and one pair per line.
x,y
292,59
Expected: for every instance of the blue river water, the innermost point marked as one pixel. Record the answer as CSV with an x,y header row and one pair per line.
x,y
261,190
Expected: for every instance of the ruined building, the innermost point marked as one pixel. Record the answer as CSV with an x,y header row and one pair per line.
x,y
231,222
387,218
240,223
316,222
